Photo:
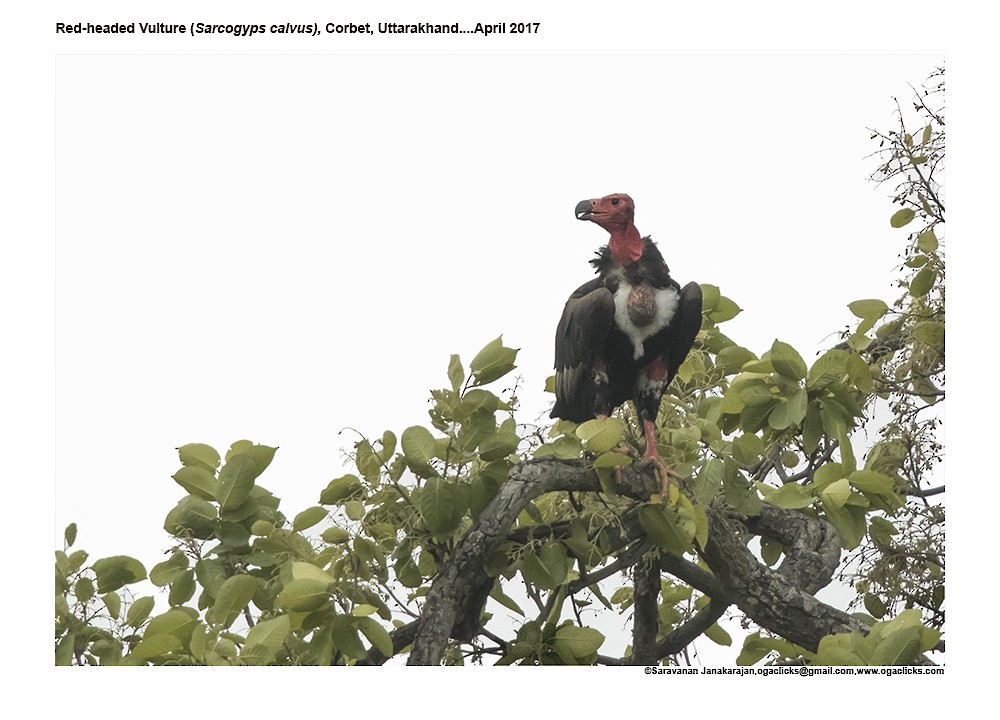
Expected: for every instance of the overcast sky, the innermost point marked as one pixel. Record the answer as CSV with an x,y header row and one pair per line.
x,y
252,247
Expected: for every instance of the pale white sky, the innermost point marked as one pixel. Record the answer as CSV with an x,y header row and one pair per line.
x,y
249,247
276,246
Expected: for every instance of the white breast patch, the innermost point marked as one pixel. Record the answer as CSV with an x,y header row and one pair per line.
x,y
666,306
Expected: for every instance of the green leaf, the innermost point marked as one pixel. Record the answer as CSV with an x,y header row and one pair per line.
x,y
308,518
179,622
869,309
234,595
668,528
236,480
199,455
849,521
139,610
927,241
69,535
211,574
64,650
612,459
790,412
198,481
154,646
377,635
182,588
113,602
368,463
265,640
731,359
442,506
262,455
497,594
790,496
860,373
388,443
724,310
456,373
601,435
716,634
262,528
84,589
899,648
192,516
812,429
345,637
340,489
836,493
930,333
787,361
492,362
498,446
335,535
577,642
563,448
710,297
868,481
902,217
546,569
700,525
308,571
167,571
874,605
754,650
419,448
117,571
830,367
922,282
304,595
770,550
748,448
837,650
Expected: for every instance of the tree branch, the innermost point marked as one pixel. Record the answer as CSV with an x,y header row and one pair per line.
x,y
778,600
645,618
689,631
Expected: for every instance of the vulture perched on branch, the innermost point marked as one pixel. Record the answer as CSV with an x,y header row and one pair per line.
x,y
623,335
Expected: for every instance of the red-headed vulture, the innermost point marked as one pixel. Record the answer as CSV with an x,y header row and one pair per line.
x,y
624,334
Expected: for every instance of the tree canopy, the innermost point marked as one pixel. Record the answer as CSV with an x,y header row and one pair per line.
x,y
442,533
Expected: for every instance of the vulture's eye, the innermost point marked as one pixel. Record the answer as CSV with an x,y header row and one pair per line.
x,y
615,201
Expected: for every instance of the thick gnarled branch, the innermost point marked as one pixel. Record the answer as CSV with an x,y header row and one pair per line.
x,y
779,600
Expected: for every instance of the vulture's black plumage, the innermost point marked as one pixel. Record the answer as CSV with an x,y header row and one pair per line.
x,y
623,335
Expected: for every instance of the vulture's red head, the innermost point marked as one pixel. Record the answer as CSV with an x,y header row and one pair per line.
x,y
615,213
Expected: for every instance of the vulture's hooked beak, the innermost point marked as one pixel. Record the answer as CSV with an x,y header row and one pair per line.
x,y
584,210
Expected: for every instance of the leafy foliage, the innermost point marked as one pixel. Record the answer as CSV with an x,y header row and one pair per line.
x,y
340,582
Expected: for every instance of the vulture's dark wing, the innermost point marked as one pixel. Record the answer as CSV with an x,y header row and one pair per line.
x,y
685,326
588,316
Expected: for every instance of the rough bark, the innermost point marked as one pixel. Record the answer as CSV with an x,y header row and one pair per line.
x,y
779,600
769,597
459,593
645,617
811,547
